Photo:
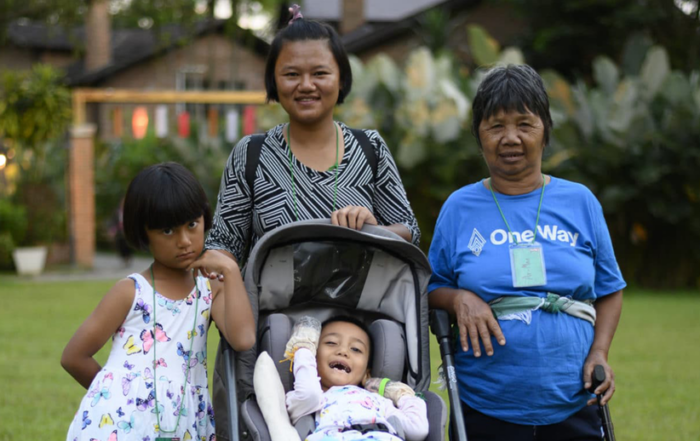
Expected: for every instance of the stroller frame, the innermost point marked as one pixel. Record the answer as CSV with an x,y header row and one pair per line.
x,y
405,300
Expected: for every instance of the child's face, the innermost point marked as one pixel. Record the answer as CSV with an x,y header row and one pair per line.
x,y
343,354
179,246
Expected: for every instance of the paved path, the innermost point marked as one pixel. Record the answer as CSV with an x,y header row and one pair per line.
x,y
106,267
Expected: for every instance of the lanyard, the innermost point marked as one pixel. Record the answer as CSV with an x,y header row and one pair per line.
x,y
537,221
291,171
155,364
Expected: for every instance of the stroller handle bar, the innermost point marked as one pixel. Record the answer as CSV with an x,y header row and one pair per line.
x,y
440,326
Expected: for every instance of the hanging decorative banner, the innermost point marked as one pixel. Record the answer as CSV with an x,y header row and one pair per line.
x,y
183,125
232,125
161,121
213,121
117,122
248,120
139,122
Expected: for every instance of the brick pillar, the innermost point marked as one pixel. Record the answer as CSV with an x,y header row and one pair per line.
x,y
98,33
81,184
353,15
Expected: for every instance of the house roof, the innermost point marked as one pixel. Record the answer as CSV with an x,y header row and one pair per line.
x,y
372,34
129,46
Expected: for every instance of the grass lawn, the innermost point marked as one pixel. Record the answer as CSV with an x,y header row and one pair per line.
x,y
655,355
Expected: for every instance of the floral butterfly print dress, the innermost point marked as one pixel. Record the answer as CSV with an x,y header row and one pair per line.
x,y
120,404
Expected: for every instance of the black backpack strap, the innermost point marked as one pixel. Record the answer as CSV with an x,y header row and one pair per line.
x,y
252,160
367,149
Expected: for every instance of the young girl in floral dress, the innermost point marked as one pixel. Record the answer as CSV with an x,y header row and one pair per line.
x,y
154,384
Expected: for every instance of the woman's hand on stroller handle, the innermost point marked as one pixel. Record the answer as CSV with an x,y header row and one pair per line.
x,y
353,217
476,321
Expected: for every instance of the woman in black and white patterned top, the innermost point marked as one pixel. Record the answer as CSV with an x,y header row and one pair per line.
x,y
383,199
312,167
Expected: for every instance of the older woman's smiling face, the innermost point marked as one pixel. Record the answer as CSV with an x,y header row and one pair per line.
x,y
512,144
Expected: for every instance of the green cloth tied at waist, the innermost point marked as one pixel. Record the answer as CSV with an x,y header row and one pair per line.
x,y
520,308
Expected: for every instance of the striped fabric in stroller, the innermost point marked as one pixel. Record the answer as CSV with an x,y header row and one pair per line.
x,y
315,268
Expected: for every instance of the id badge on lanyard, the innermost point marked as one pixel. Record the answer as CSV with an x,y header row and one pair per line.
x,y
527,265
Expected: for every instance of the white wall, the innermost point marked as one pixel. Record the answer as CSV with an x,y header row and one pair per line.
x,y
375,10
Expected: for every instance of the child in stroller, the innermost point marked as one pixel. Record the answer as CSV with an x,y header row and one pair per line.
x,y
312,268
331,362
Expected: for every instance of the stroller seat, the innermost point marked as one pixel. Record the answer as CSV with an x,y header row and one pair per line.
x,y
315,268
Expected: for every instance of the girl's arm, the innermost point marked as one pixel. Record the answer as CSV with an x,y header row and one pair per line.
x,y
230,308
413,414
307,395
105,320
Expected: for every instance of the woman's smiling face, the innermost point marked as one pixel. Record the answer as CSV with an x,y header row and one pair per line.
x,y
308,80
512,144
343,355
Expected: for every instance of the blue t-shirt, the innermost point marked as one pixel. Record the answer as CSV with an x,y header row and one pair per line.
x,y
537,377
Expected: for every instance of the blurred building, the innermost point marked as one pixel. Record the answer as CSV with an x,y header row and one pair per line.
x,y
396,27
204,57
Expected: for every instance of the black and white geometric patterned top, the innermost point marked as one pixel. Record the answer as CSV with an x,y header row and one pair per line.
x,y
274,203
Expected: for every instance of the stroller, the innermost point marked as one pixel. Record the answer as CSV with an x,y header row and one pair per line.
x,y
315,268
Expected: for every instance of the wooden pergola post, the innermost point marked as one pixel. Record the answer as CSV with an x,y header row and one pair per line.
x,y
81,167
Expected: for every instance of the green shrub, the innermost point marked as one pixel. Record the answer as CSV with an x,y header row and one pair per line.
x,y
13,220
13,229
119,162
6,248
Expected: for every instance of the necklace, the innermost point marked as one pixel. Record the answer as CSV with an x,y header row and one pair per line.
x,y
291,171
155,364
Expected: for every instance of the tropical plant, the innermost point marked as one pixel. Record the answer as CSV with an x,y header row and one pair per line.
x,y
634,139
632,135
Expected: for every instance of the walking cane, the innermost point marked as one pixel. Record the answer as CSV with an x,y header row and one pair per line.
x,y
440,325
597,379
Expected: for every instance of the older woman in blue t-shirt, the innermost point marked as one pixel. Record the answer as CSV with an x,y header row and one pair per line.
x,y
524,260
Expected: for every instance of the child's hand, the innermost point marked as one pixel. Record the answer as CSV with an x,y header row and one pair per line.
x,y
393,390
214,264
306,332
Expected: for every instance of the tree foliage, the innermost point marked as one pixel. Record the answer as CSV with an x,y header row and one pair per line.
x,y
568,35
35,108
144,13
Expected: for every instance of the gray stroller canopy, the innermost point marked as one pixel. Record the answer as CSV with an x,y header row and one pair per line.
x,y
313,264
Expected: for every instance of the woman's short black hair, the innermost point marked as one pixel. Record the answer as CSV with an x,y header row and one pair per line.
x,y
359,324
509,88
303,30
164,195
